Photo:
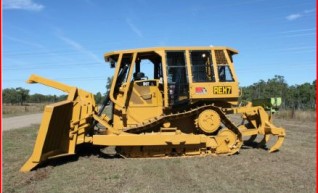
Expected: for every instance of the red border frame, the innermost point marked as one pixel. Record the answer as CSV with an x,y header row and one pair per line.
x,y
1,100
316,103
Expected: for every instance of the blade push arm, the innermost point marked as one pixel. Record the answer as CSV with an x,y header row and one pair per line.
x,y
51,83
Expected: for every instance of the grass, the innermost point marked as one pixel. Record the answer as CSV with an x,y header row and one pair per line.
x,y
17,146
16,110
253,170
9,110
299,115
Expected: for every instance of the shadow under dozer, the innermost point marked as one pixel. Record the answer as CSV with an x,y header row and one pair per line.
x,y
70,123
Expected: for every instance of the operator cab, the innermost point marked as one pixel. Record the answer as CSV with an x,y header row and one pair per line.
x,y
181,75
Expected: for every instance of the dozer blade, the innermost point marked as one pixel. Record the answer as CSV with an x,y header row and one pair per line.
x,y
53,136
64,124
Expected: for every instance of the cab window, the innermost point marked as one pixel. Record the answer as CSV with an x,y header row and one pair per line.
x,y
148,66
224,70
178,84
202,66
225,74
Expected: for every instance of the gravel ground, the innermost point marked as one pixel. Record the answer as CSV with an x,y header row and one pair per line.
x,y
21,121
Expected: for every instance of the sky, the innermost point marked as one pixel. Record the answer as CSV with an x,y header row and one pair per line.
x,y
66,40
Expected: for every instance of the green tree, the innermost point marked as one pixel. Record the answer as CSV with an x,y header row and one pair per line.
x,y
61,97
98,98
37,98
23,94
10,95
293,97
109,83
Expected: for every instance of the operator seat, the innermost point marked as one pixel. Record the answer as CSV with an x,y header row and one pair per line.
x,y
139,76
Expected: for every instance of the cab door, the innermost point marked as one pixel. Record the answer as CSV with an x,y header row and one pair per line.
x,y
145,95
178,83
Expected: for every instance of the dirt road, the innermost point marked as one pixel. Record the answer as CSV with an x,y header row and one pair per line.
x,y
21,121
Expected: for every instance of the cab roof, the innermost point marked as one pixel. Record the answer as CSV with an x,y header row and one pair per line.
x,y
152,49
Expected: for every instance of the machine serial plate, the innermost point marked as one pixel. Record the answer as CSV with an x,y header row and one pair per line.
x,y
222,90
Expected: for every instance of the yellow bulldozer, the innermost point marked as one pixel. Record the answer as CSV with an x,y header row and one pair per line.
x,y
163,101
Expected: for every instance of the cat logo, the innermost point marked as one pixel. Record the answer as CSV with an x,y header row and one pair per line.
x,y
222,90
